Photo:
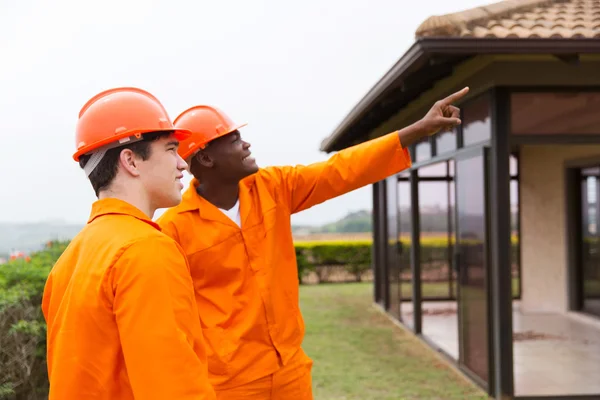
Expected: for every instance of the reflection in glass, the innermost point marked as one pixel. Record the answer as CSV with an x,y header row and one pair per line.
x,y
472,275
590,245
434,218
452,226
477,126
445,141
514,227
393,260
404,229
514,238
423,150
513,165
379,209
437,169
555,113
440,319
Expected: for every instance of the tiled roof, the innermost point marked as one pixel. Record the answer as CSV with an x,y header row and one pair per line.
x,y
519,19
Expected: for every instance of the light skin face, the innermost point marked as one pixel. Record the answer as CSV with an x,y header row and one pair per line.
x,y
161,173
152,183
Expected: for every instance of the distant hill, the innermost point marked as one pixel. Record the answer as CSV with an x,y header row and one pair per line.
x,y
29,237
432,219
32,236
359,221
354,222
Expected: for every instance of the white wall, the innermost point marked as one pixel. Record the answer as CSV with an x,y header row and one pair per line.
x,y
543,224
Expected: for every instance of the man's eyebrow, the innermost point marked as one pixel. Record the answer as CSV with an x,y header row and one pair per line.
x,y
172,143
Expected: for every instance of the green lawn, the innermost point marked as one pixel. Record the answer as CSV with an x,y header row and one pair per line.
x,y
360,355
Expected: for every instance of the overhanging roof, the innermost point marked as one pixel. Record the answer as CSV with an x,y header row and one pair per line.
x,y
427,61
551,27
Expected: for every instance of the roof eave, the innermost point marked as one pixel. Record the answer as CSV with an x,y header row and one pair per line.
x,y
414,53
423,47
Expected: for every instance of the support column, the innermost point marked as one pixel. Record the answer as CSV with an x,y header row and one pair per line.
x,y
501,279
415,249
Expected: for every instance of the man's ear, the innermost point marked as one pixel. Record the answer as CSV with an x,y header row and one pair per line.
x,y
129,162
204,159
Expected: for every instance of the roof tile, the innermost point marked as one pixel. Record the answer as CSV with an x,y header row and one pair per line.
x,y
519,19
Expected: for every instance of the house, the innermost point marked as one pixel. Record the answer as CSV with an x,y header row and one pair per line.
x,y
506,281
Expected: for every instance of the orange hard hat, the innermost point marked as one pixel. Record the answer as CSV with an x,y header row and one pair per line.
x,y
206,124
115,115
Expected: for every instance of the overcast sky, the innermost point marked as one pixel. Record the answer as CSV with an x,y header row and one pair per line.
x,y
291,69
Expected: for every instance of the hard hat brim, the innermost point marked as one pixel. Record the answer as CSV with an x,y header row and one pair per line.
x,y
179,134
189,151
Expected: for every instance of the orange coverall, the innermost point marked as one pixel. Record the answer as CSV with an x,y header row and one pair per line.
x,y
246,279
122,320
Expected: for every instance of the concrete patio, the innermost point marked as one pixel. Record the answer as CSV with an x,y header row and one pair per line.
x,y
554,353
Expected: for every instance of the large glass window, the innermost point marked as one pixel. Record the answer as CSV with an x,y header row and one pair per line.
x,y
393,261
404,232
472,268
477,124
590,246
555,113
438,277
435,233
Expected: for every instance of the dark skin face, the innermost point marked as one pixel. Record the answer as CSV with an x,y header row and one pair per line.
x,y
221,166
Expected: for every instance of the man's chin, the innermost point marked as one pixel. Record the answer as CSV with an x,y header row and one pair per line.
x,y
251,170
171,201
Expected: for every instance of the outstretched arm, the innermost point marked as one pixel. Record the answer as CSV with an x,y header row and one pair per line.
x,y
363,164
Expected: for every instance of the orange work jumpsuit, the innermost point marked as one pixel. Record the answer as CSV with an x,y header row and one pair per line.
x,y
122,320
246,278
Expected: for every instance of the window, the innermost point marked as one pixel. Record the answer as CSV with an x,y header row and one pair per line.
x,y
477,124
434,170
445,141
404,236
555,113
423,150
436,231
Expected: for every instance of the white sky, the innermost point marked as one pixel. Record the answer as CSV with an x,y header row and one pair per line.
x,y
291,69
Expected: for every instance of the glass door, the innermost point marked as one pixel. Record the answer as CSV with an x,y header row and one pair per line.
x,y
405,281
471,261
590,242
392,248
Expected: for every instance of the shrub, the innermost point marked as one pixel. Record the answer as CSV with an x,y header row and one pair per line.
x,y
355,256
22,327
304,266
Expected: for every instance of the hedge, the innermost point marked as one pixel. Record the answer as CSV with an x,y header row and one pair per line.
x,y
355,256
22,327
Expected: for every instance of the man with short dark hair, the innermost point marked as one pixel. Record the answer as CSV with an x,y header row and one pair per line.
x,y
119,303
106,170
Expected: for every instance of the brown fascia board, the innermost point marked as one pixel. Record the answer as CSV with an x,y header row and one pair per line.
x,y
426,47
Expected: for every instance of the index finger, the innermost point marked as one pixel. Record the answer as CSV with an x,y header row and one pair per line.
x,y
456,96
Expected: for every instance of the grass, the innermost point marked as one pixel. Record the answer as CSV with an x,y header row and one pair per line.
x,y
360,355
